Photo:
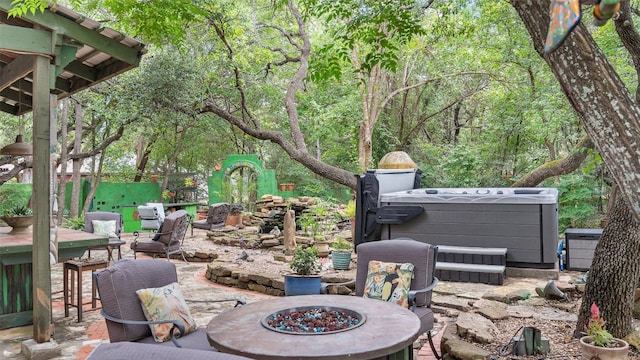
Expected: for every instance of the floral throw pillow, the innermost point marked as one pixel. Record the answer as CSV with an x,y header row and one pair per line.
x,y
389,282
104,228
166,303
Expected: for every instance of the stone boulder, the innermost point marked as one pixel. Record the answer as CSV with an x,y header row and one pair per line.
x,y
454,347
475,327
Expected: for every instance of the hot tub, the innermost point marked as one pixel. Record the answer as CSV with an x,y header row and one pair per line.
x,y
522,220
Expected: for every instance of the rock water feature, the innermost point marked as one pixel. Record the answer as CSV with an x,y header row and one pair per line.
x,y
313,320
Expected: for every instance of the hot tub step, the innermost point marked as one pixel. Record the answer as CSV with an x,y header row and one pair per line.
x,y
471,264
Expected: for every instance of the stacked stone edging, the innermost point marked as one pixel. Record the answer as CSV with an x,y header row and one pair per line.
x,y
224,273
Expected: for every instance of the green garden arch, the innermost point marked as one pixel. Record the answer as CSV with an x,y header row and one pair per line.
x,y
224,182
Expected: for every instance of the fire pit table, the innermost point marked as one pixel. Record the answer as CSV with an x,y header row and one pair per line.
x,y
377,329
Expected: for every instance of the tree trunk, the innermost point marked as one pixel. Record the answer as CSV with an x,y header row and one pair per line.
x,y
142,161
62,180
96,176
606,108
295,147
613,275
610,116
77,165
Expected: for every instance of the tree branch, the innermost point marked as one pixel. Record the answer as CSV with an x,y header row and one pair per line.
x,y
557,167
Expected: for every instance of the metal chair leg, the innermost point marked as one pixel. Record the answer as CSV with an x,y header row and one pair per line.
x,y
433,347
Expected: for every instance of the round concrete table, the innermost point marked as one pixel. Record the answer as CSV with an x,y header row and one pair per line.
x,y
388,329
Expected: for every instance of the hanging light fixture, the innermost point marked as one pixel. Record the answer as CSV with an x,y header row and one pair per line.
x,y
18,148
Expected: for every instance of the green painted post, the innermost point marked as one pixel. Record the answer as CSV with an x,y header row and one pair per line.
x,y
41,203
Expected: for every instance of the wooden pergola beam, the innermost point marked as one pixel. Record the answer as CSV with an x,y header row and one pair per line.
x,y
15,70
23,39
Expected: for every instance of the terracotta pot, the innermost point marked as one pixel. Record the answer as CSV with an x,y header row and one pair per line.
x,y
589,351
282,187
201,214
352,221
290,187
323,248
234,220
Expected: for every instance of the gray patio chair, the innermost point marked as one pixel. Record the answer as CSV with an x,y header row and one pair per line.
x,y
115,242
402,250
169,238
122,310
216,216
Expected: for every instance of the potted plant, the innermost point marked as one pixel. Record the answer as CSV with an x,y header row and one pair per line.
x,y
598,343
19,217
305,279
341,254
234,217
310,225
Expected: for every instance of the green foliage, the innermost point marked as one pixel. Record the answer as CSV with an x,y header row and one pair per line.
x,y
76,223
596,329
158,21
462,131
18,210
308,223
376,29
350,210
578,202
305,261
342,244
316,218
23,7
14,196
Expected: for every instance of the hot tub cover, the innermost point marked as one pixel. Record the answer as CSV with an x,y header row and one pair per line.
x,y
474,195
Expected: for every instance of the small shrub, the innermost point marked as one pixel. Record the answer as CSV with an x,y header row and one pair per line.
x,y
342,244
76,223
305,261
350,210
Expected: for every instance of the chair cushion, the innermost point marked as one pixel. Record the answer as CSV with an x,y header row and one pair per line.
x,y
166,303
103,216
195,340
389,282
201,224
105,228
148,246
